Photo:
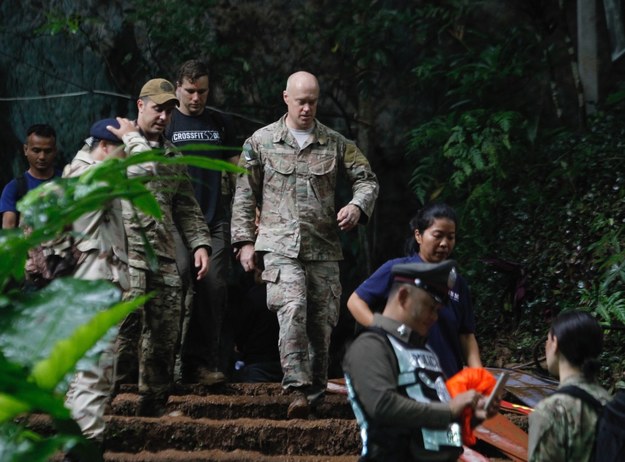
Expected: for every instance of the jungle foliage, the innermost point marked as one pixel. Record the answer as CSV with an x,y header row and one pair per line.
x,y
542,201
45,333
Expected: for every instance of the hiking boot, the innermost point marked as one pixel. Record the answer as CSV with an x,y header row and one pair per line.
x,y
205,376
151,407
315,402
299,407
202,375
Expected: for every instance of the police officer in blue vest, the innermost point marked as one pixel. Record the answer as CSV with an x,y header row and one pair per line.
x,y
396,384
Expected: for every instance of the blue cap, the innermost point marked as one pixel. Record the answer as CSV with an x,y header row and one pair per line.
x,y
99,131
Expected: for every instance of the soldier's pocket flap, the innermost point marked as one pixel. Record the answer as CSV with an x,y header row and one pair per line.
x,y
322,164
285,165
271,275
336,289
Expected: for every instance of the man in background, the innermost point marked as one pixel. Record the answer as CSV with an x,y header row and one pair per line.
x,y
204,356
40,151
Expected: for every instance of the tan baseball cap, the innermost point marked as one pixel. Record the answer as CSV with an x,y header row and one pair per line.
x,y
160,91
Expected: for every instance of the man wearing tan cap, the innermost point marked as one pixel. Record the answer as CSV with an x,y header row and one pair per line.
x,y
172,188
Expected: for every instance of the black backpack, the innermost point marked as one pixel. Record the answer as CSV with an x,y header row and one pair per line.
x,y
22,187
610,432
20,191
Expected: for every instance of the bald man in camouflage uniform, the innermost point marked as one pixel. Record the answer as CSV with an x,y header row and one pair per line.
x,y
293,166
172,188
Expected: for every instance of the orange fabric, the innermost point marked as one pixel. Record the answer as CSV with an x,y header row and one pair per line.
x,y
470,378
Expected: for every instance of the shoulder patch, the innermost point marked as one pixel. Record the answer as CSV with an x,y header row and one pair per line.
x,y
248,153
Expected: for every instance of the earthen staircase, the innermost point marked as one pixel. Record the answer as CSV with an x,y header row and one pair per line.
x,y
231,422
227,422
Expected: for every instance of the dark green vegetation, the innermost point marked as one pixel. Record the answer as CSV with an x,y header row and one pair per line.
x,y
561,220
471,102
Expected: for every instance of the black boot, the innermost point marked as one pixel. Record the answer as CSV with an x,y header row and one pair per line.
x,y
150,406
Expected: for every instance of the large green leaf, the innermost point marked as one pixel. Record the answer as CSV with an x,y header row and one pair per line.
x,y
66,353
204,162
18,394
13,250
19,445
156,155
34,322
71,331
53,205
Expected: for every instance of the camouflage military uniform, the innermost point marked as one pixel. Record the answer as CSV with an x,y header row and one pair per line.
x,y
160,323
101,238
99,235
298,235
562,428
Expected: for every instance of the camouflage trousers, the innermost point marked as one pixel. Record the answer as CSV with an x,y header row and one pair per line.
x,y
89,395
305,296
158,323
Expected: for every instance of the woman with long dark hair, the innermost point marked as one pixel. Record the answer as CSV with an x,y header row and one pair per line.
x,y
433,237
562,426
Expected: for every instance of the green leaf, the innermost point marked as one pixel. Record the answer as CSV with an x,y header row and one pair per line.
x,y
18,394
53,313
20,445
11,406
66,353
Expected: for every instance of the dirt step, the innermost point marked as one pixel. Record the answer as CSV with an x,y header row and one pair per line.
x,y
217,456
226,422
330,437
261,406
229,389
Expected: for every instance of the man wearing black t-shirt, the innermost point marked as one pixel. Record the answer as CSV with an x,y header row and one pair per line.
x,y
192,124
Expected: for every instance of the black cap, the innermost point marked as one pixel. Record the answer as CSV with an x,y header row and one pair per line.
x,y
435,278
100,132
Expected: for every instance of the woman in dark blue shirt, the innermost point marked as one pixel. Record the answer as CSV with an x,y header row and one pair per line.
x,y
453,336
